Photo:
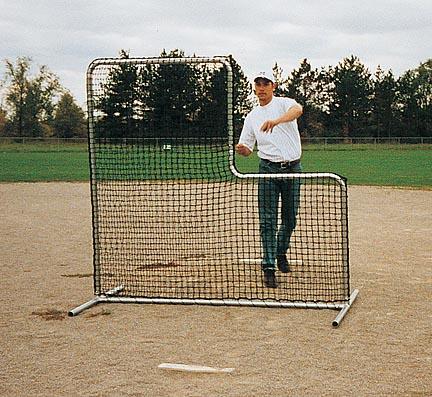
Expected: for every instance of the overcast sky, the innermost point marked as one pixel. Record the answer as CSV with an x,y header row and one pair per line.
x,y
67,35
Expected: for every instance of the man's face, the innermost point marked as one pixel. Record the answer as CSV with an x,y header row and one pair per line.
x,y
264,90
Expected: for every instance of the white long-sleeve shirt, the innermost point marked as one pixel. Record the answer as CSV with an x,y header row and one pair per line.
x,y
283,143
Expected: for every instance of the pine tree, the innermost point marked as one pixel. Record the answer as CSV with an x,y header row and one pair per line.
x,y
69,119
213,101
350,106
189,100
414,100
242,103
383,111
305,86
281,89
168,95
119,102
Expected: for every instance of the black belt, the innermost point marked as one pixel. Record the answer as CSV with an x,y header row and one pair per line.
x,y
282,164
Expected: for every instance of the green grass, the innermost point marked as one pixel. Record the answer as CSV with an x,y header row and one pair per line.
x,y
30,166
398,165
388,167
42,161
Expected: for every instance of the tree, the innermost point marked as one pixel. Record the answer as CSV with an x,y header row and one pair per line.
x,y
29,99
169,95
213,101
414,100
242,103
69,119
305,86
119,101
214,98
281,89
191,99
383,111
3,122
169,99
350,102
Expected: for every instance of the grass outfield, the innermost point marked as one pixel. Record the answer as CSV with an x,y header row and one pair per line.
x,y
386,165
380,167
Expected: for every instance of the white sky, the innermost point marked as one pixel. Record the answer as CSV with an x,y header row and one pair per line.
x,y
66,35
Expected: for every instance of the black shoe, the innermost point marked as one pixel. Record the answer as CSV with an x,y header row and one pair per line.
x,y
282,263
270,278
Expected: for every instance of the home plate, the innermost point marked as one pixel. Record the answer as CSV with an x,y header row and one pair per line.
x,y
194,368
254,261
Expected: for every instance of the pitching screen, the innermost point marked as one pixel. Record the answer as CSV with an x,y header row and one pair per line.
x,y
172,217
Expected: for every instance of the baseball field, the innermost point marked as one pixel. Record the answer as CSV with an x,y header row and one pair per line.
x,y
377,165
382,348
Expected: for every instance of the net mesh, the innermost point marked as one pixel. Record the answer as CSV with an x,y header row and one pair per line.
x,y
170,218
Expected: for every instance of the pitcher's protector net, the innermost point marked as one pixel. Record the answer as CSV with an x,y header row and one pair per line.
x,y
172,218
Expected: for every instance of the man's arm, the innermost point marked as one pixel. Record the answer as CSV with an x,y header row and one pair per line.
x,y
247,139
243,149
293,113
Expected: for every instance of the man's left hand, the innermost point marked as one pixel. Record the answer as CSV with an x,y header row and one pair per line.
x,y
269,125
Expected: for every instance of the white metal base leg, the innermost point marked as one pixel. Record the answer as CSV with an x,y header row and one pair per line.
x,y
84,306
345,309
110,297
94,301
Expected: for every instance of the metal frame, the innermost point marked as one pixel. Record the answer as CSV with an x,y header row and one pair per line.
x,y
111,296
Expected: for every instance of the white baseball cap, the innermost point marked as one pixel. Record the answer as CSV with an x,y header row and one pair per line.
x,y
264,74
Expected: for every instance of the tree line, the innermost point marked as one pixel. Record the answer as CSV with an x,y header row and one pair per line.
x,y
175,99
36,104
187,100
348,100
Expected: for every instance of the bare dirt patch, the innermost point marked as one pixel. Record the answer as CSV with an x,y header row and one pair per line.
x,y
50,314
383,346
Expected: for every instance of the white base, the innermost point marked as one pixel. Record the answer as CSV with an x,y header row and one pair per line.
x,y
254,261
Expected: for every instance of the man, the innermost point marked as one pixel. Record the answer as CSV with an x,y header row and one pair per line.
x,y
273,127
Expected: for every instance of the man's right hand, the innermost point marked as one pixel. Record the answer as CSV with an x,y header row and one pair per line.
x,y
243,149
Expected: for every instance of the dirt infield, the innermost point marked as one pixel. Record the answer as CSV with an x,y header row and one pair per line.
x,y
383,347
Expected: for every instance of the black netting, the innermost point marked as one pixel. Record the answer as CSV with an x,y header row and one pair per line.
x,y
171,220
